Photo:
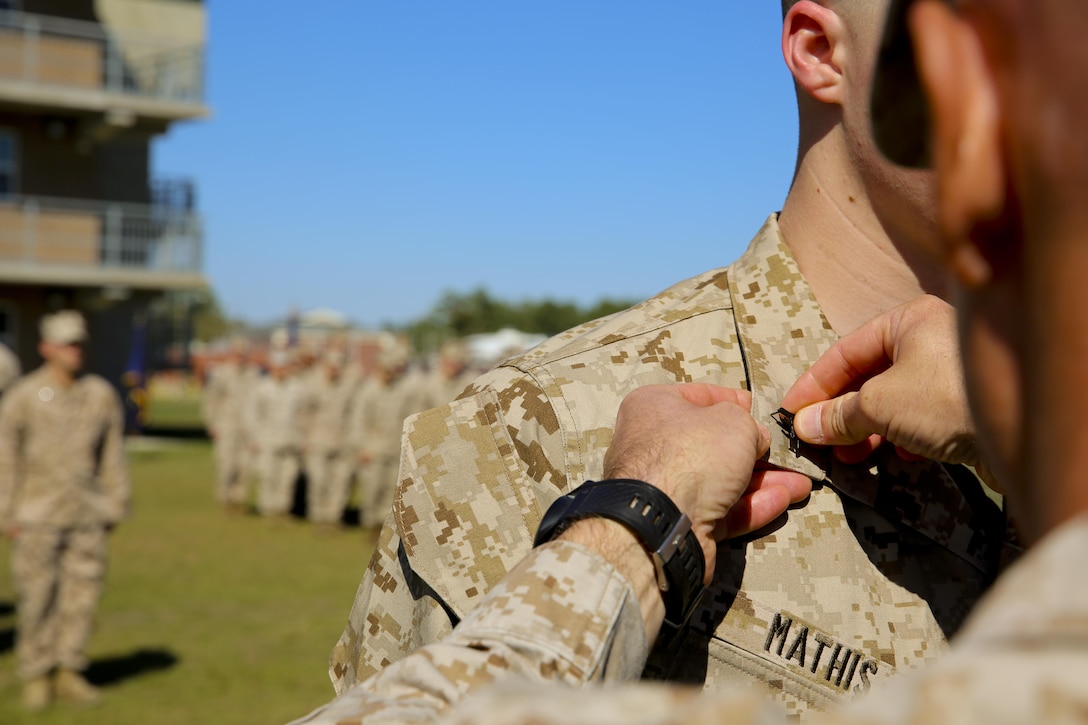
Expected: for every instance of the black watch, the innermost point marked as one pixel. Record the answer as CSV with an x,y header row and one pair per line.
x,y
652,516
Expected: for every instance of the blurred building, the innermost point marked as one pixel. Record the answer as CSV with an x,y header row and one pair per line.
x,y
85,87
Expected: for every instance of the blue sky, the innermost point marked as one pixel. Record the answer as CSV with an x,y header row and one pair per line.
x,y
366,155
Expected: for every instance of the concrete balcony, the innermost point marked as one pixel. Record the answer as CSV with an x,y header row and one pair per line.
x,y
70,242
49,63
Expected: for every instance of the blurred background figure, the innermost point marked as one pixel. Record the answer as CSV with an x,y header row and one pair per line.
x,y
451,375
58,509
383,401
329,463
277,438
228,391
10,369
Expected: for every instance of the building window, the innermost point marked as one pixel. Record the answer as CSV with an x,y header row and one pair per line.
x,y
9,163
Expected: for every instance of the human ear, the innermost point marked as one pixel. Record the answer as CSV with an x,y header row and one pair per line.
x,y
971,171
811,45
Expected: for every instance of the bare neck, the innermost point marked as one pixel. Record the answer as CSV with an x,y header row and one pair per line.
x,y
854,269
60,376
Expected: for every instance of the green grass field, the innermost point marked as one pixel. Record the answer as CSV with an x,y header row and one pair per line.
x,y
179,413
207,618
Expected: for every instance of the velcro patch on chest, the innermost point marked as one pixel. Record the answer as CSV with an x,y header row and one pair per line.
x,y
805,648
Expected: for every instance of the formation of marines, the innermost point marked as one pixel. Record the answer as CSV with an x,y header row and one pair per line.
x,y
289,412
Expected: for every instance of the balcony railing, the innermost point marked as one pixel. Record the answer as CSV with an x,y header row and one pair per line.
x,y
84,56
43,232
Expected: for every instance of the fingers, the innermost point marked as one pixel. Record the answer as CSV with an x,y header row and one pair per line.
x,y
867,350
706,395
858,452
770,494
842,421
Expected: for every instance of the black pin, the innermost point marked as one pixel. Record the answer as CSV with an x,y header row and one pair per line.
x,y
784,418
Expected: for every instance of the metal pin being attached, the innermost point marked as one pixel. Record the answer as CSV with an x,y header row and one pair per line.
x,y
784,418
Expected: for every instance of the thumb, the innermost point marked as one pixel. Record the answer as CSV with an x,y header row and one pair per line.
x,y
836,422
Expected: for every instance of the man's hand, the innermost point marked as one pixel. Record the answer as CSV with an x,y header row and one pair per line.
x,y
897,379
699,444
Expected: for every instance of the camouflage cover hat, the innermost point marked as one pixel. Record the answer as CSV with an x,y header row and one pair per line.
x,y
64,328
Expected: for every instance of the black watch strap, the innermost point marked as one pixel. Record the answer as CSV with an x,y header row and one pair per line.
x,y
652,516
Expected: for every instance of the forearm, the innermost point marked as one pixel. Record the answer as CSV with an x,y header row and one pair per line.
x,y
617,545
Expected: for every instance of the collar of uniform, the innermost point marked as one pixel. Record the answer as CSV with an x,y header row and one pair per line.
x,y
782,331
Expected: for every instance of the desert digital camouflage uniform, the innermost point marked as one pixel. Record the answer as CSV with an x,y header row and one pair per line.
x,y
308,376
224,404
10,369
329,460
378,415
63,483
1021,658
274,424
866,579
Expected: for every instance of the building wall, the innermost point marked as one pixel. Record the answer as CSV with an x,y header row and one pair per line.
x,y
79,155
56,161
182,20
71,9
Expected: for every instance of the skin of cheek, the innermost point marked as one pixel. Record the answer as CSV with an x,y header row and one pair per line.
x,y
994,384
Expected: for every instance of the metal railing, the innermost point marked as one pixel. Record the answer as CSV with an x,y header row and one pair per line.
x,y
82,55
47,231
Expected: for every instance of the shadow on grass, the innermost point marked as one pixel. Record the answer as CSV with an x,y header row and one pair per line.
x,y
176,431
110,670
7,634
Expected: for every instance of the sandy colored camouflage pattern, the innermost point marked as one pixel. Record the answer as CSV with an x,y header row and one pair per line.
x,y
377,420
868,578
537,651
329,459
62,460
58,575
63,482
274,424
228,392
514,634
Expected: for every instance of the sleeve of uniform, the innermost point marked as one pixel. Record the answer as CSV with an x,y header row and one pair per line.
x,y
10,433
563,615
394,612
463,516
113,469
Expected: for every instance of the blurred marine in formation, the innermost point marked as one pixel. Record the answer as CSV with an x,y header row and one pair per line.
x,y
385,399
277,438
225,397
450,376
63,486
329,463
